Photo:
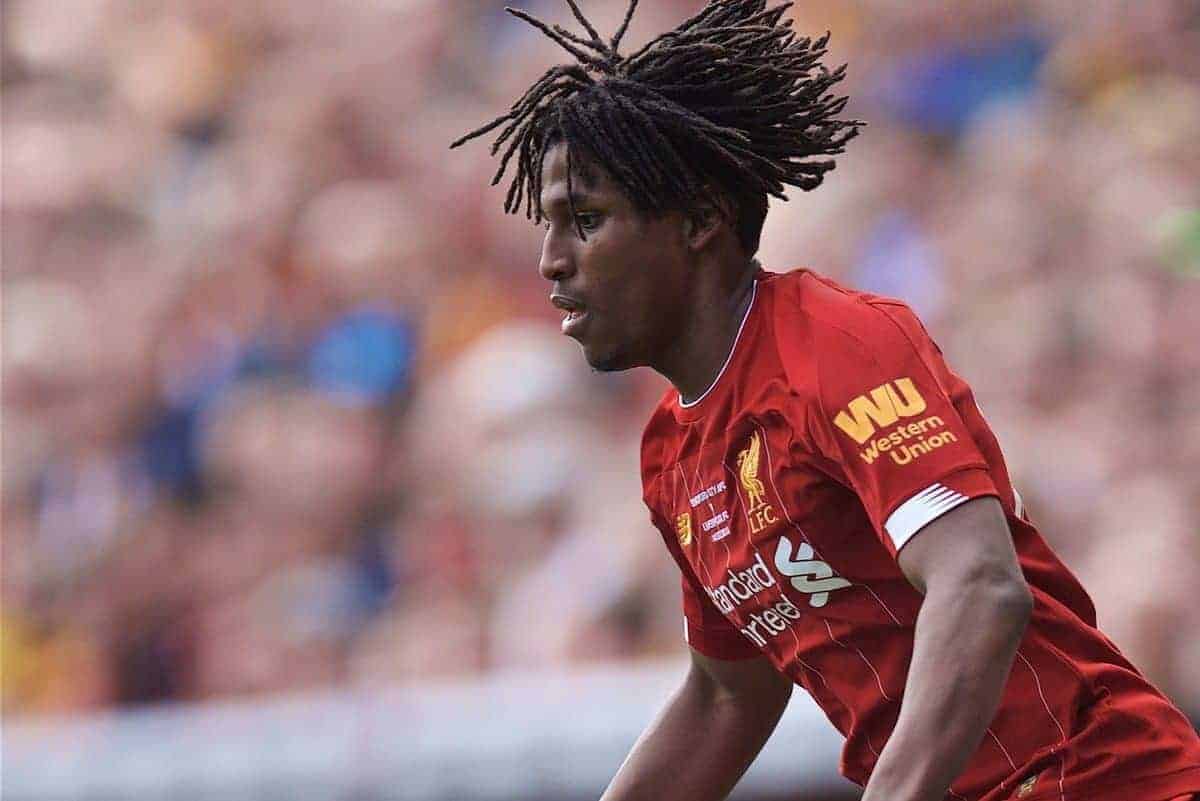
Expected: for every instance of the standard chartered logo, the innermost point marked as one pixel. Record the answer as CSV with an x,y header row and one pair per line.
x,y
808,575
741,585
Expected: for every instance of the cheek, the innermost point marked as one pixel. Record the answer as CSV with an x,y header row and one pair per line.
x,y
633,291
650,310
657,280
631,275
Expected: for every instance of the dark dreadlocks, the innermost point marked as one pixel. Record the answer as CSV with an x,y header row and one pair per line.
x,y
731,102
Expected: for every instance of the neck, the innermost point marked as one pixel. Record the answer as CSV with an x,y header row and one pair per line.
x,y
694,359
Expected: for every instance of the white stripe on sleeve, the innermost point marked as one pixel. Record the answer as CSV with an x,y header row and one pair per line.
x,y
920,510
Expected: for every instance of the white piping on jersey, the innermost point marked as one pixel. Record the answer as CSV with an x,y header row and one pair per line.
x,y
791,629
788,516
856,649
1003,750
688,492
829,629
729,358
1062,764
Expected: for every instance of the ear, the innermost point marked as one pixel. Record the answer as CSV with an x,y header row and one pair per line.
x,y
704,220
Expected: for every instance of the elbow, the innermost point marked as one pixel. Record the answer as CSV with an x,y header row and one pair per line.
x,y
1010,602
1018,602
997,599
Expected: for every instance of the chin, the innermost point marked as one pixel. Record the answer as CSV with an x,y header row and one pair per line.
x,y
609,360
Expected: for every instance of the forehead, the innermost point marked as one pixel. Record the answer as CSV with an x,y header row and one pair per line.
x,y
588,179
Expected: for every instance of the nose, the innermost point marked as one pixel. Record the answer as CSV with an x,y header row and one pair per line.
x,y
555,263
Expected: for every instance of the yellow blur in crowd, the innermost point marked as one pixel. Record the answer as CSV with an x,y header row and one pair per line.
x,y
285,405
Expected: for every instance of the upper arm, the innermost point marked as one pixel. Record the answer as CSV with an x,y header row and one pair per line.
x,y
754,679
888,415
970,543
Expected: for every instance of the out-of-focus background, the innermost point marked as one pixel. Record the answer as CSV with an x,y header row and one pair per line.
x,y
304,496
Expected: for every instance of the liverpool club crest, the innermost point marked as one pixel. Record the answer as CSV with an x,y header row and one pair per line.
x,y
759,512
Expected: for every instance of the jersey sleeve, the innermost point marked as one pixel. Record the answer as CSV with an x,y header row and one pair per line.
x,y
888,416
704,627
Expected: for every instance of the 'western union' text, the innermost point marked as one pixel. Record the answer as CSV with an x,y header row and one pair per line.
x,y
909,442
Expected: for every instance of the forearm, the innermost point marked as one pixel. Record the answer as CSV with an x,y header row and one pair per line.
x,y
697,748
963,651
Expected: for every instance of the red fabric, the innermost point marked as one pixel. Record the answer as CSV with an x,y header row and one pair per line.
x,y
773,494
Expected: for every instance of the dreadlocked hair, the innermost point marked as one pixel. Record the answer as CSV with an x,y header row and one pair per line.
x,y
729,103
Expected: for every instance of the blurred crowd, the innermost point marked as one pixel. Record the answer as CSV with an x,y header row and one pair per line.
x,y
285,405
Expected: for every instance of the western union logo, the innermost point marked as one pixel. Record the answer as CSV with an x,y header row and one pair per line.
x,y
882,407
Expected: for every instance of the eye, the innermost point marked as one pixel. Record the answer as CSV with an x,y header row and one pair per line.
x,y
588,220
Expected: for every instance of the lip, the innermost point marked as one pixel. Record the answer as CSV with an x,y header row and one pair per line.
x,y
576,313
574,322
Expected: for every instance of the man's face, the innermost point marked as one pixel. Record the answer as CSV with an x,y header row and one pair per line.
x,y
622,288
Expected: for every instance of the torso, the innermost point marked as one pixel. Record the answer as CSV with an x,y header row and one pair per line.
x,y
760,497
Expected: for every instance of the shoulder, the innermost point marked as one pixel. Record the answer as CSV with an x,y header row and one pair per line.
x,y
822,327
810,309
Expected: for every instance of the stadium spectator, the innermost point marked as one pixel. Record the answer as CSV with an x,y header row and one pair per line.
x,y
243,289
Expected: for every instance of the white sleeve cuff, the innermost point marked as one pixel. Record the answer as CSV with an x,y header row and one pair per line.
x,y
920,510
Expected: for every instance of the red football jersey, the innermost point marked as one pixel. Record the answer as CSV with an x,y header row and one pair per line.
x,y
833,434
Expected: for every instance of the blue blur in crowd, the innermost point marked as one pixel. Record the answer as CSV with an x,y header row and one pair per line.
x,y
938,91
364,357
898,260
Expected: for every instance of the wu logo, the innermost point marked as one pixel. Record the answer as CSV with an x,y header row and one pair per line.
x,y
808,575
885,404
759,512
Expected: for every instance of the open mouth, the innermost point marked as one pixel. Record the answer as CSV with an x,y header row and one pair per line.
x,y
576,314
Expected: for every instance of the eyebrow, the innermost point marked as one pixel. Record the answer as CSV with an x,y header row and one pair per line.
x,y
557,200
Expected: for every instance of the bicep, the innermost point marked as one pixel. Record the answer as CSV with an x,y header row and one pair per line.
x,y
971,542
